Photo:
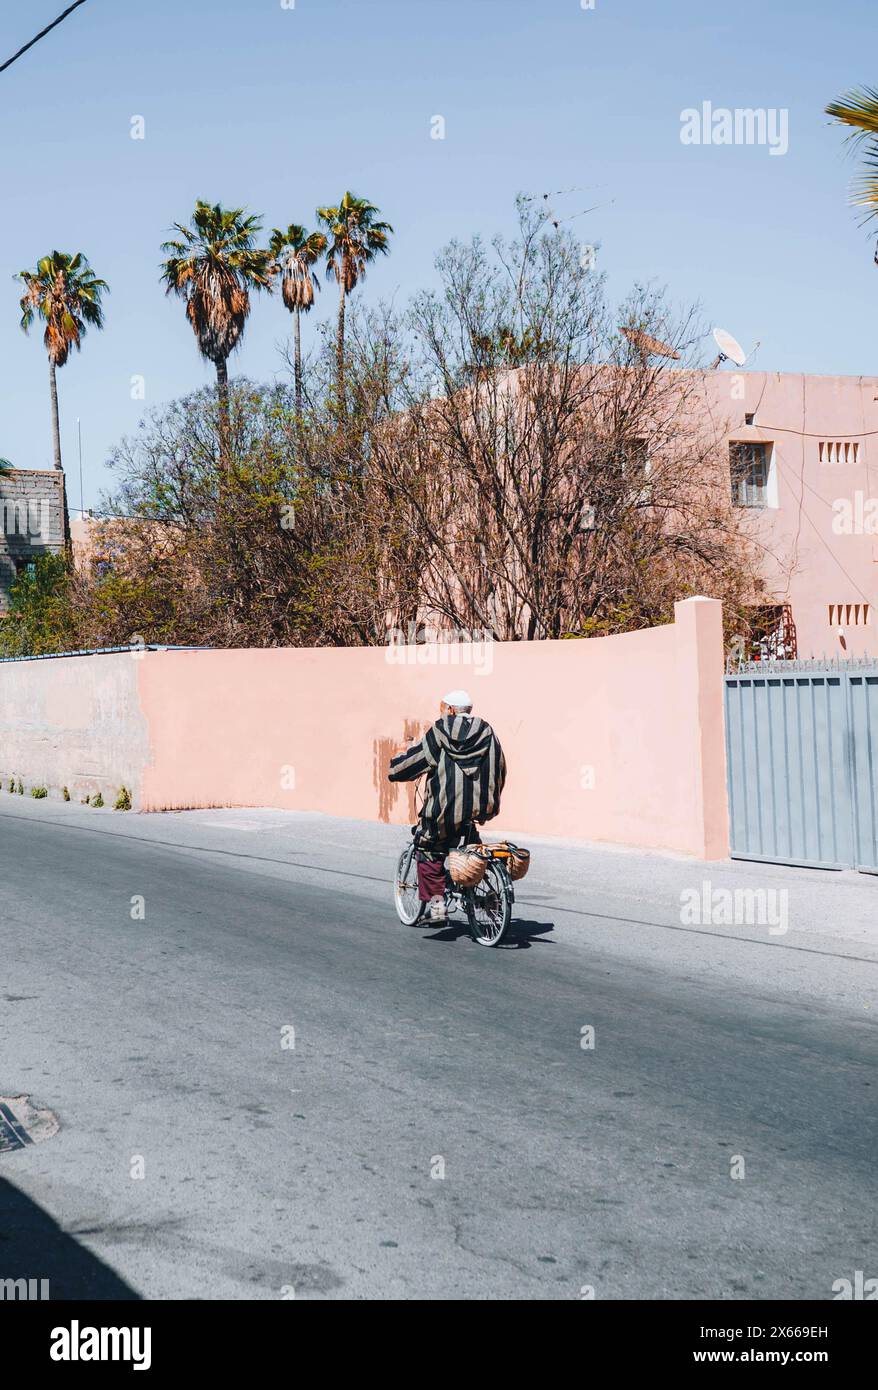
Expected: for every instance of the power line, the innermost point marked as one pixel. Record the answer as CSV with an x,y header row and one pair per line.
x,y
41,35
810,434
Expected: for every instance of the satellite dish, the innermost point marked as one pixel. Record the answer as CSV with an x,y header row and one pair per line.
x,y
647,346
730,349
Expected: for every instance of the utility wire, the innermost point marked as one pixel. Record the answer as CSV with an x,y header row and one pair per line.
x,y
41,35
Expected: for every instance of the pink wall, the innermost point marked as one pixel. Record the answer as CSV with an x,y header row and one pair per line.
x,y
810,560
616,738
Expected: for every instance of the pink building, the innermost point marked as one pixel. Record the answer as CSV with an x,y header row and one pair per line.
x,y
803,461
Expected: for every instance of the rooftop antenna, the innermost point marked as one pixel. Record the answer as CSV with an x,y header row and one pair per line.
x,y
647,346
730,350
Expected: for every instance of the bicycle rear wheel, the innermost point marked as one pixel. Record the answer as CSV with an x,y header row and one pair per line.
x,y
489,905
409,907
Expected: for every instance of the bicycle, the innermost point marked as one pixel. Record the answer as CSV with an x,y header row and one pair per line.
x,y
488,906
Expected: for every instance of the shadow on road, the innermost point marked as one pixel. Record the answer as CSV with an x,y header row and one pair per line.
x,y
33,1246
522,934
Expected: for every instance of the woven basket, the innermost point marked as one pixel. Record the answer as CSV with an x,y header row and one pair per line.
x,y
467,867
519,862
516,859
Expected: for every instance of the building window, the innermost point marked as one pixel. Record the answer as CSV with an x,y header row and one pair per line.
x,y
749,468
771,633
633,459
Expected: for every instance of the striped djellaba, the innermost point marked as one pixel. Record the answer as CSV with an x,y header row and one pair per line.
x,y
466,773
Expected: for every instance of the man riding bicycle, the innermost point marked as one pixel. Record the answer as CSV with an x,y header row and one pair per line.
x,y
466,773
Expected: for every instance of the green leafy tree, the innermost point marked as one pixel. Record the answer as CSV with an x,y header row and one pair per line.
x,y
356,238
64,293
213,265
39,619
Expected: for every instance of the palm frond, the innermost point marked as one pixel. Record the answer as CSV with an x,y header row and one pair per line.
x,y
857,109
355,238
213,265
66,294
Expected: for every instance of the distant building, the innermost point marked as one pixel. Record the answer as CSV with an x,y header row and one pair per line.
x,y
802,461
33,521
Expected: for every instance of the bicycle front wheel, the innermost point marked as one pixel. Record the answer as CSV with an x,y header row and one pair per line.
x,y
489,905
409,907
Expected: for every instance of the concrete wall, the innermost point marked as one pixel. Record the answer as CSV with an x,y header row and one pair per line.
x,y
74,722
617,738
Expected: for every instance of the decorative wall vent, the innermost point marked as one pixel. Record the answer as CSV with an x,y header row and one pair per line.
x,y
850,614
838,451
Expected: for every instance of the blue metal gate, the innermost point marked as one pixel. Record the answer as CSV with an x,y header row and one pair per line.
x,y
802,752
863,708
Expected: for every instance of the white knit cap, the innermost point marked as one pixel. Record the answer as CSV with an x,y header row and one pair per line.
x,y
458,699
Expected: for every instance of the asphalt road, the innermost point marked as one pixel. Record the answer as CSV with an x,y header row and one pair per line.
x,y
437,1130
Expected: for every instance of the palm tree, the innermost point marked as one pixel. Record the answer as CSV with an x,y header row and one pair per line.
x,y
858,109
295,253
356,238
213,266
66,295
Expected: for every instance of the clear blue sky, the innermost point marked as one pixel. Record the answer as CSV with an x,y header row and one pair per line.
x,y
279,110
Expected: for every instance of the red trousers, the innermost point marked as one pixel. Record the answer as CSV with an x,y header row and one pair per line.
x,y
431,877
431,864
